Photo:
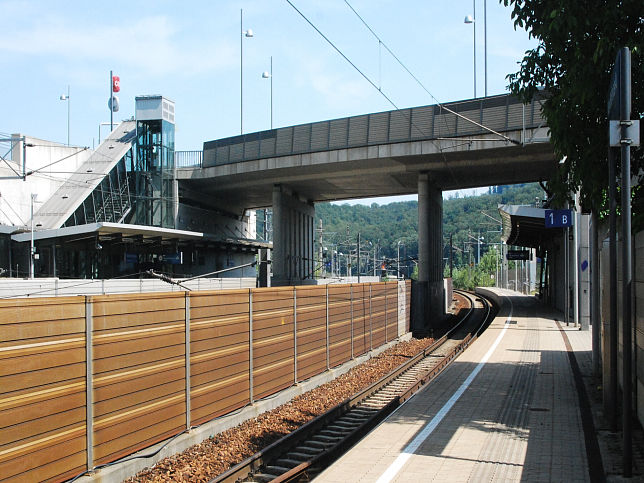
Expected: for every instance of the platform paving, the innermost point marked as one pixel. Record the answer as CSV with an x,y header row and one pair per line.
x,y
507,409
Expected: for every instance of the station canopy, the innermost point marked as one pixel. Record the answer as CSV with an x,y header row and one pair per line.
x,y
525,226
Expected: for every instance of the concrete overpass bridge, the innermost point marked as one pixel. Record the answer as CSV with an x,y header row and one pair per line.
x,y
425,150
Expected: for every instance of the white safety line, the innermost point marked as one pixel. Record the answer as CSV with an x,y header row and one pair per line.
x,y
409,450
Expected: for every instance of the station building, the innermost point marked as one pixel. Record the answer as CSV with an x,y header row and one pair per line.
x,y
116,211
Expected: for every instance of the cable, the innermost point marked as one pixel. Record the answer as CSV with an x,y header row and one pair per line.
x,y
130,275
55,162
440,149
421,84
344,56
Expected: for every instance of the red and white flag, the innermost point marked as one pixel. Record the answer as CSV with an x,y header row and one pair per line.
x,y
116,83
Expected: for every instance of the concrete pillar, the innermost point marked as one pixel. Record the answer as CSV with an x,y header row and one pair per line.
x,y
280,235
292,239
428,308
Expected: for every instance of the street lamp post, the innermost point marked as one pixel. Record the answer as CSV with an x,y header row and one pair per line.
x,y
65,97
244,33
485,42
269,75
472,19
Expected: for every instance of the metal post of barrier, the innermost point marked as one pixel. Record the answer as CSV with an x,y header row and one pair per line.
x,y
351,302
187,357
295,335
250,346
386,313
370,321
327,327
89,383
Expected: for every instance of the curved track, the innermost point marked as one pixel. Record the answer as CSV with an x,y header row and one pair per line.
x,y
303,453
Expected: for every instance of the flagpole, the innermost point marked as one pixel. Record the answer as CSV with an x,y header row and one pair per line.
x,y
111,102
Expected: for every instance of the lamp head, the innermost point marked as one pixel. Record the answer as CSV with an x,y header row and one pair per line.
x,y
266,75
469,19
248,33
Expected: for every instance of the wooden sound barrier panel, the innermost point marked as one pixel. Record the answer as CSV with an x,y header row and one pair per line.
x,y
42,388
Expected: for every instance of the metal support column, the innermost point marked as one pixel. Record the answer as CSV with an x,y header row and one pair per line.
x,y
89,384
187,358
595,307
251,395
295,335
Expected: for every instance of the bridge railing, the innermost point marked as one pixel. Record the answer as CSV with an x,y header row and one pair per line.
x,y
188,159
500,113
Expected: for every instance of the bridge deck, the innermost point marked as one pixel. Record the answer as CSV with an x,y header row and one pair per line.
x,y
379,154
518,419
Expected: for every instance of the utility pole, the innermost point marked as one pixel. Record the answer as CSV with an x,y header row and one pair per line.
x,y
451,256
358,257
320,249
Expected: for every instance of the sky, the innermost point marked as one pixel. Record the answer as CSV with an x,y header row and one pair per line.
x,y
189,52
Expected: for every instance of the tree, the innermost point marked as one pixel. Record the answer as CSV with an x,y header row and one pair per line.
x,y
578,41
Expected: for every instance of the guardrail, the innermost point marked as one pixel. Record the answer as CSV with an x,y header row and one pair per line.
x,y
188,159
500,113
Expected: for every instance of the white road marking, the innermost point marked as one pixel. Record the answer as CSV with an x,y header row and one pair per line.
x,y
409,450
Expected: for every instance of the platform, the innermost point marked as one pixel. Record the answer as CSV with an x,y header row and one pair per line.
x,y
508,409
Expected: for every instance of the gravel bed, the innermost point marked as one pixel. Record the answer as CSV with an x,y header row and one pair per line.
x,y
204,461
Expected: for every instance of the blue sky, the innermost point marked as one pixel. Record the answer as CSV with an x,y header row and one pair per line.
x,y
190,52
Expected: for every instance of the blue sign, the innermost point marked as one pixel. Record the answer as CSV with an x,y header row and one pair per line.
x,y
173,258
131,258
558,218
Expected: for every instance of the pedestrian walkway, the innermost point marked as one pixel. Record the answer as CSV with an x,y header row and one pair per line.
x,y
508,409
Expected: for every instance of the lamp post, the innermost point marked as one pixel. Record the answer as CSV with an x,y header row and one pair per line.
x,y
65,97
485,42
472,19
269,75
244,33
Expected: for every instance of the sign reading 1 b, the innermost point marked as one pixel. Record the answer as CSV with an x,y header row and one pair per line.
x,y
558,218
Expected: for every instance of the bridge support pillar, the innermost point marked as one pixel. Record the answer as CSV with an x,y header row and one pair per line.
x,y
293,221
428,310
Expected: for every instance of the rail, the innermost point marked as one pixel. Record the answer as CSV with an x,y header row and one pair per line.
x,y
500,113
347,422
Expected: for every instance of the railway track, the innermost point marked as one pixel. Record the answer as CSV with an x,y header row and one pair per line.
x,y
303,453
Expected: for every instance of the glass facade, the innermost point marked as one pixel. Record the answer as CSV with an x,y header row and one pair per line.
x,y
111,199
153,174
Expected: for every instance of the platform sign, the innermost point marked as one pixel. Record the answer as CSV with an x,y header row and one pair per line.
x,y
518,255
558,218
173,258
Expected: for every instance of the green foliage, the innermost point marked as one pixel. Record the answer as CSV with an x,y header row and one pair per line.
x,y
578,42
385,225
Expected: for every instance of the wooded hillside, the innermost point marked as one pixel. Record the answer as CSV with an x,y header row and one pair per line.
x,y
383,226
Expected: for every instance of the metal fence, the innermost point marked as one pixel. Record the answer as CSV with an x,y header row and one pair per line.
x,y
188,159
500,113
54,287
88,380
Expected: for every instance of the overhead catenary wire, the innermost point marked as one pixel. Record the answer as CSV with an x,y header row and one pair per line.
x,y
465,118
440,148
80,284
